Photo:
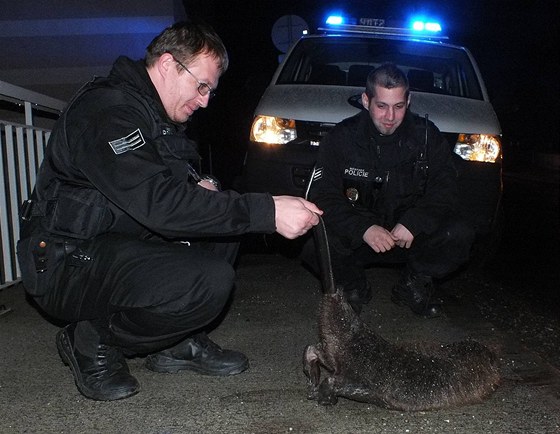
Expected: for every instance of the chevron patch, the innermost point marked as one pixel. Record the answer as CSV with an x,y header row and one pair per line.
x,y
317,173
131,142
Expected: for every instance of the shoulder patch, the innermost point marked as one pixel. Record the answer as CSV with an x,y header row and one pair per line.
x,y
317,174
127,143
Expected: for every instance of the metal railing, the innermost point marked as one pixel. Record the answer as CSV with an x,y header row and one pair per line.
x,y
22,146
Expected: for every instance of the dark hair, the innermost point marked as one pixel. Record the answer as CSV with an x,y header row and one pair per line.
x,y
388,76
186,40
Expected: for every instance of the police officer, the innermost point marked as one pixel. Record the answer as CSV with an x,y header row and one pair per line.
x,y
123,239
386,182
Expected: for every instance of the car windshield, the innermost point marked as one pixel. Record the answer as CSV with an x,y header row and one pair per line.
x,y
346,61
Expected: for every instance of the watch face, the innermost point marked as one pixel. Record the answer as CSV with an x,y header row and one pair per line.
x,y
352,194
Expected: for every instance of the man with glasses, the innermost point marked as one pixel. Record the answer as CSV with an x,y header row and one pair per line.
x,y
122,238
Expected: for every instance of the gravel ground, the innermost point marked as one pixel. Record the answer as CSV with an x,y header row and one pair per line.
x,y
519,290
272,319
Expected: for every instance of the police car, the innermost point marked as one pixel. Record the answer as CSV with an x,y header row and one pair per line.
x,y
320,81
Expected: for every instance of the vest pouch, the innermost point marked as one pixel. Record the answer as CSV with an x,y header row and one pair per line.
x,y
77,212
39,257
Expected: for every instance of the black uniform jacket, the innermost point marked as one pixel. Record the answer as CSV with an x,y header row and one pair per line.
x,y
363,178
116,163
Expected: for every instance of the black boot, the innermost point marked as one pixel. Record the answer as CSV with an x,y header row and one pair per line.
x,y
101,374
199,354
415,291
356,298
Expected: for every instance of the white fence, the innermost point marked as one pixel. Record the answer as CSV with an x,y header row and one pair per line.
x,y
22,147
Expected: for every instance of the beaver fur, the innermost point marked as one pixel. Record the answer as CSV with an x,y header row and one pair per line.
x,y
353,362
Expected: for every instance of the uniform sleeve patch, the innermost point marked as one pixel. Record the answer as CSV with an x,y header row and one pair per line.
x,y
127,143
317,173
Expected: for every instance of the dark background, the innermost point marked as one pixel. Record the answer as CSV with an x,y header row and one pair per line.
x,y
515,43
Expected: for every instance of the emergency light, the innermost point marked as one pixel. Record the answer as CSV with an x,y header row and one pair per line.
x,y
426,26
418,26
334,20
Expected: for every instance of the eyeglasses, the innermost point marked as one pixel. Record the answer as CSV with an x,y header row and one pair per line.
x,y
203,88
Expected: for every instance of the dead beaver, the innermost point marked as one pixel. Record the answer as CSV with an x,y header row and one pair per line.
x,y
359,364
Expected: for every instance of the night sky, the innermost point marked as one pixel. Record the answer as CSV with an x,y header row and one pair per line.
x,y
516,44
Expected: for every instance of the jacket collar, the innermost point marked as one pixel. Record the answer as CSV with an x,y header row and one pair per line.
x,y
366,130
134,74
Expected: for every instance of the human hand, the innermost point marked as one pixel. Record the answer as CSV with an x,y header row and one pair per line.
x,y
379,239
294,216
402,236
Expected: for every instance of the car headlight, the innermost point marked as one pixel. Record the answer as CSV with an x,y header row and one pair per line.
x,y
478,147
273,130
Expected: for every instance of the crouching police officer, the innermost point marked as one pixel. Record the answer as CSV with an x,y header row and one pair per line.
x,y
123,239
387,185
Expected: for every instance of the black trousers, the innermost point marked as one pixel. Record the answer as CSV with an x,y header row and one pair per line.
x,y
142,295
435,255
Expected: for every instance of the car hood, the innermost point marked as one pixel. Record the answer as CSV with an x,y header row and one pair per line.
x,y
331,104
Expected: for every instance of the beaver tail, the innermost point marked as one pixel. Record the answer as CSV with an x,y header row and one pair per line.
x,y
324,257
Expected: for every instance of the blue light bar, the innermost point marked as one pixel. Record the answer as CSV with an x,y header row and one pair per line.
x,y
420,27
433,27
426,26
335,20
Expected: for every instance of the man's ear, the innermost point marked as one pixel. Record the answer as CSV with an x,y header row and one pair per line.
x,y
165,63
365,101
